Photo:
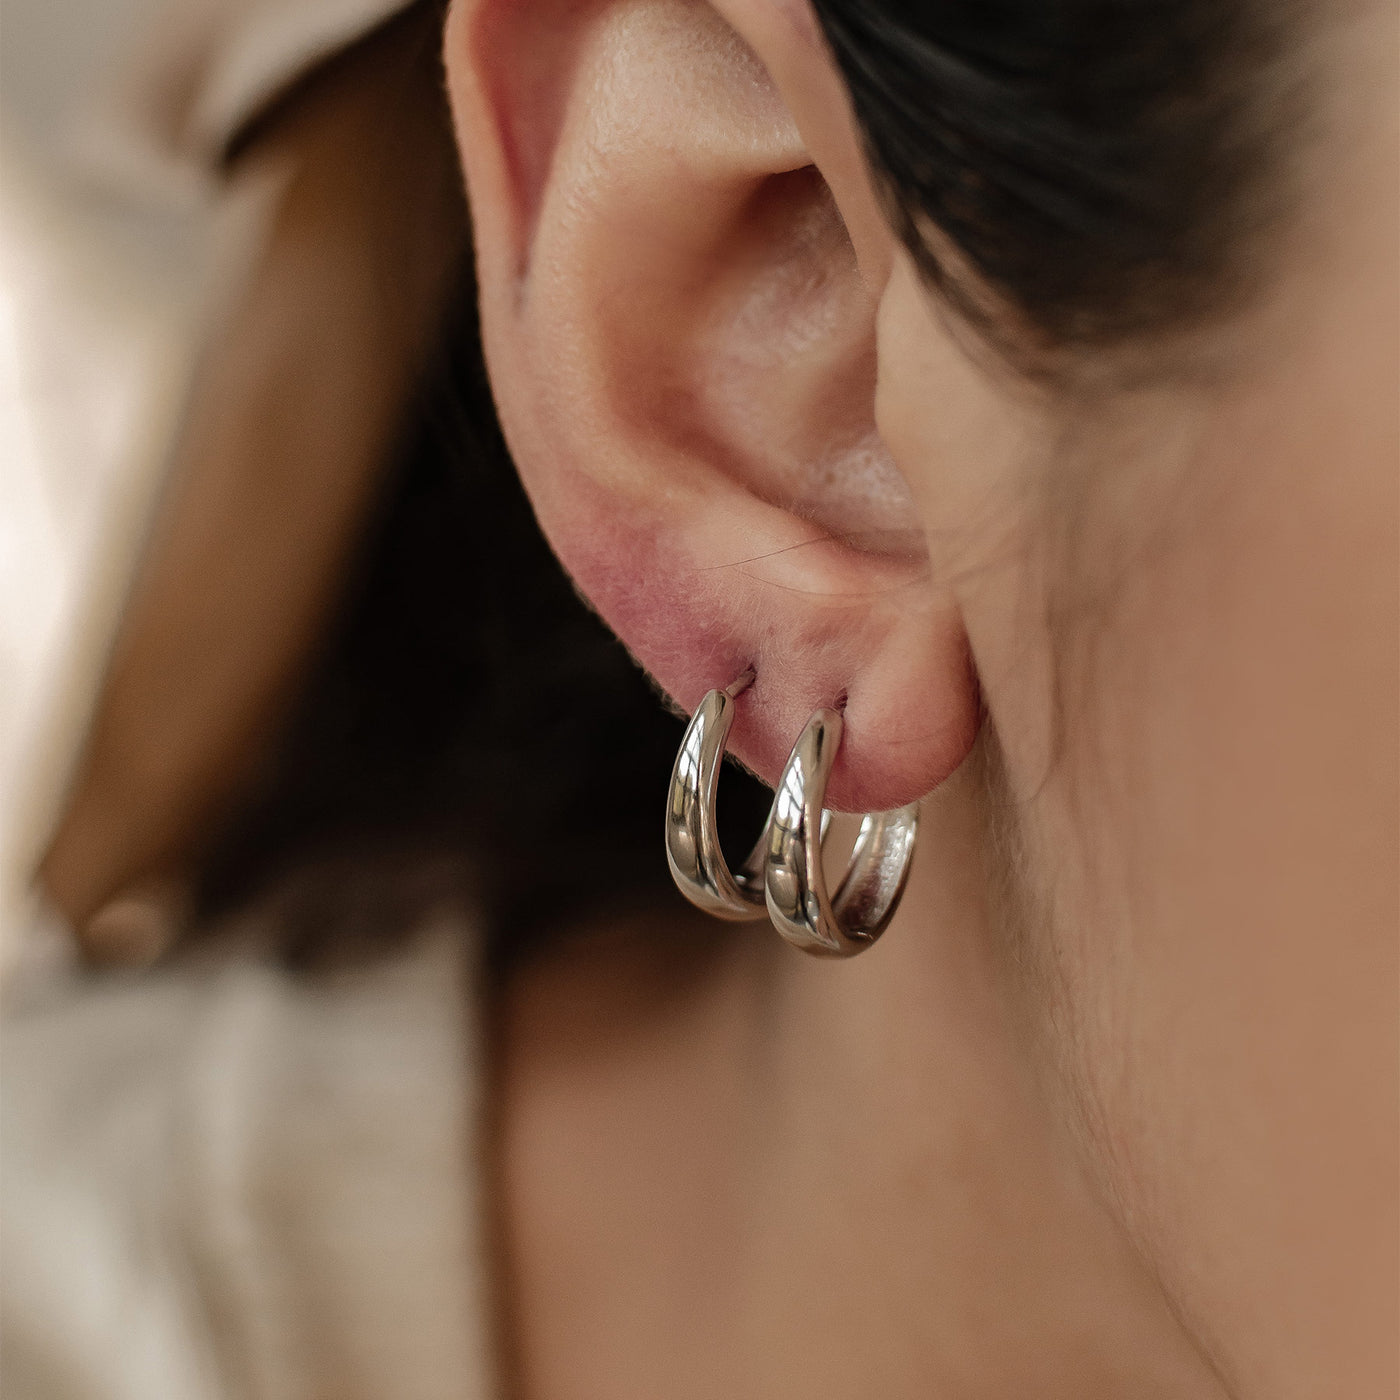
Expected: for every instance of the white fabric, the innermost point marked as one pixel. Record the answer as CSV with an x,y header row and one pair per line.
x,y
227,1181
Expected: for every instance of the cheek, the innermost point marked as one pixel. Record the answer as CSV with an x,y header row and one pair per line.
x,y
935,437
971,450
1185,635
1216,852
962,429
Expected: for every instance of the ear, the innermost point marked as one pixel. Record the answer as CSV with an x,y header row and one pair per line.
x,y
681,339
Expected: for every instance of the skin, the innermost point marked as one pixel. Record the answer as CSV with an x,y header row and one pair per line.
x,y
1111,1109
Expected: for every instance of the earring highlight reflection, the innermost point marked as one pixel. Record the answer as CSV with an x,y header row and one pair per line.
x,y
692,836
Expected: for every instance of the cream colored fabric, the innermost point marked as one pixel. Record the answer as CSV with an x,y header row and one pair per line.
x,y
121,249
226,1181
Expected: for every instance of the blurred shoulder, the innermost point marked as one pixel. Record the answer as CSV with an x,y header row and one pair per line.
x,y
222,1176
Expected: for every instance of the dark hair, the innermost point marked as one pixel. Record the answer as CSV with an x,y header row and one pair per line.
x,y
1086,170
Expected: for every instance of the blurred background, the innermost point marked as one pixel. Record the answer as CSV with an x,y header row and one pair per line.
x,y
92,279
305,739
306,742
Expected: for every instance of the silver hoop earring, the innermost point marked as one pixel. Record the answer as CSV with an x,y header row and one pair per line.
x,y
870,890
784,871
692,836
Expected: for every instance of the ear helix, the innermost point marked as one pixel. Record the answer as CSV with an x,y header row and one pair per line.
x,y
784,871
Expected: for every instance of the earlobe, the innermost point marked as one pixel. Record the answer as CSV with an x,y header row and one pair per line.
x,y
682,349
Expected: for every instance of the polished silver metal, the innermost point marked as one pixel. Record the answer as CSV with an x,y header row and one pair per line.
x,y
795,886
692,836
783,874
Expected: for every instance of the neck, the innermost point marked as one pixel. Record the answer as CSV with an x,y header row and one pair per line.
x,y
776,1176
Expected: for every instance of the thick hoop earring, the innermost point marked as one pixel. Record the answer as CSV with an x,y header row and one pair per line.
x,y
869,892
692,836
